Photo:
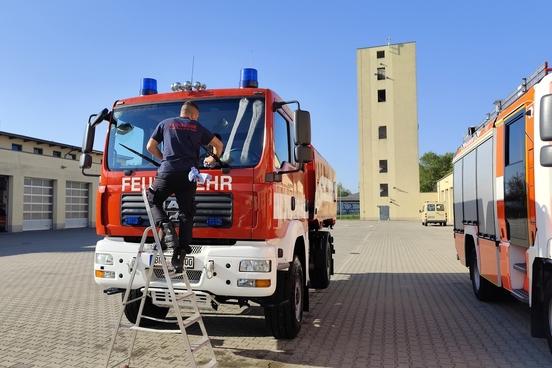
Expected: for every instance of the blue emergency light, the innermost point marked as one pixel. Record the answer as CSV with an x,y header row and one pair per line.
x,y
248,78
214,221
149,86
133,220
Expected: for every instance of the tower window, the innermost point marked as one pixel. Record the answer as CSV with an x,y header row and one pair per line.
x,y
382,166
381,95
384,190
382,132
381,74
380,54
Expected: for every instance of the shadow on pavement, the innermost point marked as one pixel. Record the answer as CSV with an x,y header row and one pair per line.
x,y
70,240
410,319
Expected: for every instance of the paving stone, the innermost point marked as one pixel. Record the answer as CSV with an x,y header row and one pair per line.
x,y
399,298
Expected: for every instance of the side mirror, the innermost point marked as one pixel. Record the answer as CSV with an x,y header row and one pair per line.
x,y
85,161
89,133
302,128
546,118
88,141
304,154
546,156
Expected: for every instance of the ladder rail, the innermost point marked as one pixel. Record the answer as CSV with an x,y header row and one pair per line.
x,y
127,294
148,271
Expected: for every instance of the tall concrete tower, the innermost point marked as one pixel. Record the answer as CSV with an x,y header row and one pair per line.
x,y
388,132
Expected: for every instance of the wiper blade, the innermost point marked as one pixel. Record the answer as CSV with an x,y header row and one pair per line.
x,y
142,156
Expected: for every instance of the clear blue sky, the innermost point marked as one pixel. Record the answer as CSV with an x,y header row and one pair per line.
x,y
63,60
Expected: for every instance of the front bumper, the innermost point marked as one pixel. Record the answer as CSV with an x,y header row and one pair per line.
x,y
226,260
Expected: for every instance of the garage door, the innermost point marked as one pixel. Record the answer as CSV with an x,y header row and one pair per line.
x,y
38,204
76,204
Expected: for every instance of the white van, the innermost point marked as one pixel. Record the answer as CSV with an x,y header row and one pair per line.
x,y
433,212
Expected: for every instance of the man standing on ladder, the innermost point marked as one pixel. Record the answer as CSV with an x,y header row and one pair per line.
x,y
182,138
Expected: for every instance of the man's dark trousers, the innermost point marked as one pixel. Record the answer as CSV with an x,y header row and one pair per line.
x,y
178,183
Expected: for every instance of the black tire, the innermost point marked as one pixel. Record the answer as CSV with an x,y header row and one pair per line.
x,y
547,310
322,257
150,309
285,317
483,289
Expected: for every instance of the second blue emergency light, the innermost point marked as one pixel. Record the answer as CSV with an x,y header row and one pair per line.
x,y
149,86
248,78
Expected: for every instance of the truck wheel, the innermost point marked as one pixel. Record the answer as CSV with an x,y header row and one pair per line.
x,y
483,289
548,316
320,275
285,317
150,309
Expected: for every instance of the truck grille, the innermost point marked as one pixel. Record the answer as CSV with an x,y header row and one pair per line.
x,y
193,275
212,210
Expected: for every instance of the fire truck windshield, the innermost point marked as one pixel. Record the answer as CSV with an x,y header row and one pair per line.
x,y
239,122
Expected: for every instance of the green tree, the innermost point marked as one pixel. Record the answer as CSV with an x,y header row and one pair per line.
x,y
342,191
432,168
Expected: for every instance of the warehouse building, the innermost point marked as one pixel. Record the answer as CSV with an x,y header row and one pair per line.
x,y
42,187
444,193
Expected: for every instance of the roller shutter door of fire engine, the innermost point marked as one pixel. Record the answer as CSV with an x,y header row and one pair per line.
x,y
76,204
469,193
457,192
38,199
485,189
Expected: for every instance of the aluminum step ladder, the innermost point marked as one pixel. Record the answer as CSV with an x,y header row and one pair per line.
x,y
166,295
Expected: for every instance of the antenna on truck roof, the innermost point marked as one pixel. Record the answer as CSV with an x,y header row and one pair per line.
x,y
192,76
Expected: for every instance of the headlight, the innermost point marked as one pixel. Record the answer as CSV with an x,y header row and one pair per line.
x,y
250,265
104,259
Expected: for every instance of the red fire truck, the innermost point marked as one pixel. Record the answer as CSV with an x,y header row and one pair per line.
x,y
261,226
503,200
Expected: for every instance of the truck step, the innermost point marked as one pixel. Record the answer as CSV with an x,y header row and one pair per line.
x,y
521,295
522,267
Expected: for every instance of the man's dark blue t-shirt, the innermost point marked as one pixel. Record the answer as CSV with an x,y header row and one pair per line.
x,y
181,138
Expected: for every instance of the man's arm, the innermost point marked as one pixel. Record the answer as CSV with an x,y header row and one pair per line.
x,y
218,146
153,148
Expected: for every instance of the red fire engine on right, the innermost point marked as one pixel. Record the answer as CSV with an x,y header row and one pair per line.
x,y
503,200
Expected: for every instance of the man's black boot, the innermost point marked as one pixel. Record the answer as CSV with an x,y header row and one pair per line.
x,y
177,260
170,239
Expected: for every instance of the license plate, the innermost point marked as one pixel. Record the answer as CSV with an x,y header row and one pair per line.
x,y
188,261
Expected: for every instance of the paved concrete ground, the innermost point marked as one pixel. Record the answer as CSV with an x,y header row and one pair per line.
x,y
399,298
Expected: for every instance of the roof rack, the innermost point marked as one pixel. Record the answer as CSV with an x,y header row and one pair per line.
x,y
526,84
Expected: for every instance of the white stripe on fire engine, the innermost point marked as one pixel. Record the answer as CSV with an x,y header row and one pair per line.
x,y
500,188
282,207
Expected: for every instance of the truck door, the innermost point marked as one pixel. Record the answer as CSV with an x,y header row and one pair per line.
x,y
515,187
289,194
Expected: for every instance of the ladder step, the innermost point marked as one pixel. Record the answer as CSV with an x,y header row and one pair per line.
x,y
156,330
191,320
200,344
521,295
211,364
522,267
134,300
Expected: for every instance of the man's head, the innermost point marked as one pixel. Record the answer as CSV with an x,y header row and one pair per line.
x,y
189,110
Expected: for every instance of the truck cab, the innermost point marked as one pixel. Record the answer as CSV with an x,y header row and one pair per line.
x,y
260,226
